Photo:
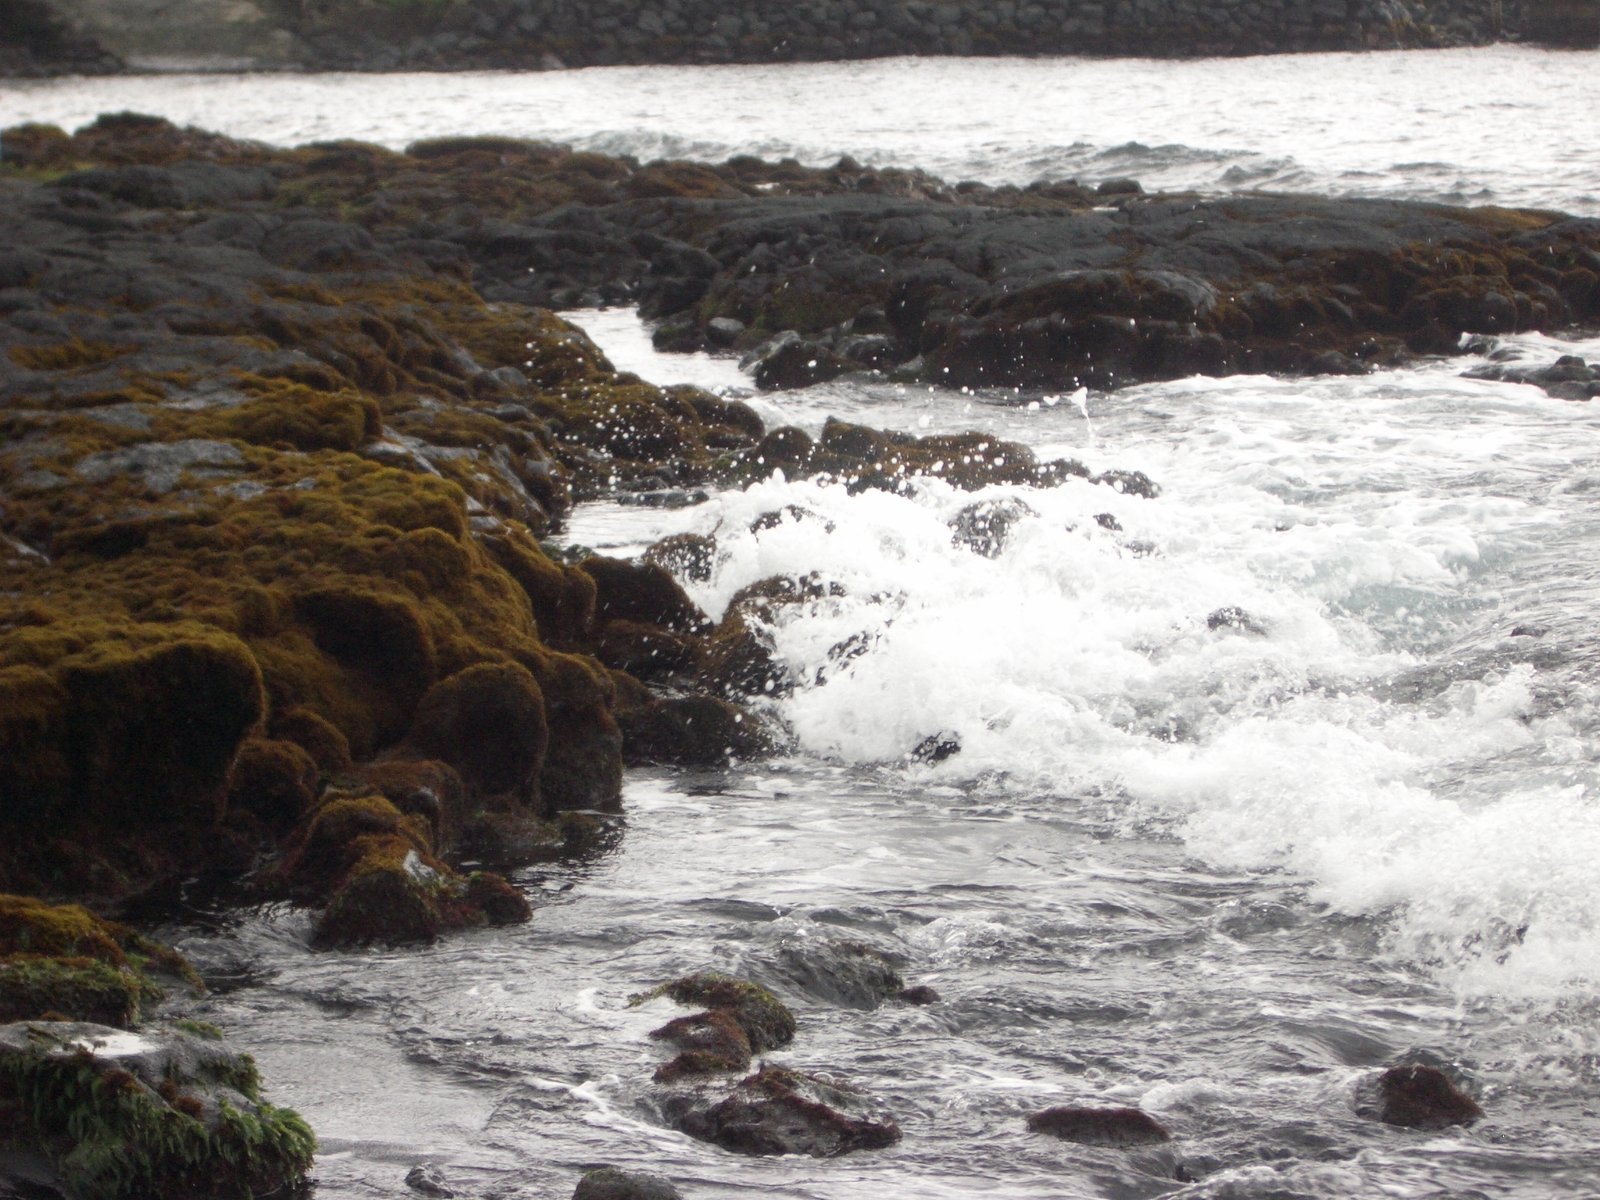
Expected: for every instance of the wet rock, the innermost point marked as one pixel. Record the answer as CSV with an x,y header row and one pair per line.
x,y
273,781
710,1042
1417,1096
613,1183
935,748
642,592
918,995
779,1111
700,731
1100,1126
691,555
1236,619
740,657
724,331
647,652
985,527
1568,378
488,722
427,1180
849,973
158,1112
791,361
61,962
766,1021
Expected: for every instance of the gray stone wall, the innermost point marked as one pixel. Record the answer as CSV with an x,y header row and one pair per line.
x,y
451,34
595,32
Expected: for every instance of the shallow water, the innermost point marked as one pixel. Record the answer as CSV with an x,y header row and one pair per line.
x,y
1263,782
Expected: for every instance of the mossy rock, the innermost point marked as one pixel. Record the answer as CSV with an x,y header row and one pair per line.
x,y
147,732
63,962
709,1043
421,787
80,989
122,1115
275,782
694,731
488,722
765,1020
643,593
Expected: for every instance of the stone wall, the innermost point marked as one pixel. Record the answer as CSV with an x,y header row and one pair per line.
x,y
596,32
524,34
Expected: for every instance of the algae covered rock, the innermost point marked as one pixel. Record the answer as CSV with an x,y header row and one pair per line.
x,y
374,871
122,1114
488,722
765,1020
63,962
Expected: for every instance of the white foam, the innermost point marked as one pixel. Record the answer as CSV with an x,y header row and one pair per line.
x,y
1367,530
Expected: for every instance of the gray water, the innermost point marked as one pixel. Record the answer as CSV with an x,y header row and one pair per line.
x,y
1224,876
1502,125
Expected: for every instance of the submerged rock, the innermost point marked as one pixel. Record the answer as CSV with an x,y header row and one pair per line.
x,y
613,1183
1417,1096
1100,1126
1568,378
779,1111
428,1180
846,972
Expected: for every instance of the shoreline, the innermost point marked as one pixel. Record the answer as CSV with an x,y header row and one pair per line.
x,y
288,443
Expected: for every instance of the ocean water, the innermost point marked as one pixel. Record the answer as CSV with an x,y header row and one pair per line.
x,y
1263,782
1502,125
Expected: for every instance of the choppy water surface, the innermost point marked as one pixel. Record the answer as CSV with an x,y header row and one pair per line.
x,y
1223,868
1502,125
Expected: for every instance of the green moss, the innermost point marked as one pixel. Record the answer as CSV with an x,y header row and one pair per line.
x,y
114,1137
66,356
765,1020
75,989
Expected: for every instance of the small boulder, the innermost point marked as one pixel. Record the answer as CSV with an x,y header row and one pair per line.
x,y
1100,1126
844,972
426,1179
1417,1096
488,722
642,592
791,361
766,1020
779,1111
693,731
153,1113
985,527
612,1183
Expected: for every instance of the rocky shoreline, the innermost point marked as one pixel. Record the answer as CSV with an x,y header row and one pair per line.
x,y
287,438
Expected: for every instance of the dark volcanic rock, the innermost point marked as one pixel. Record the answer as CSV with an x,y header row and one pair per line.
x,y
1568,378
778,1111
1100,1126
